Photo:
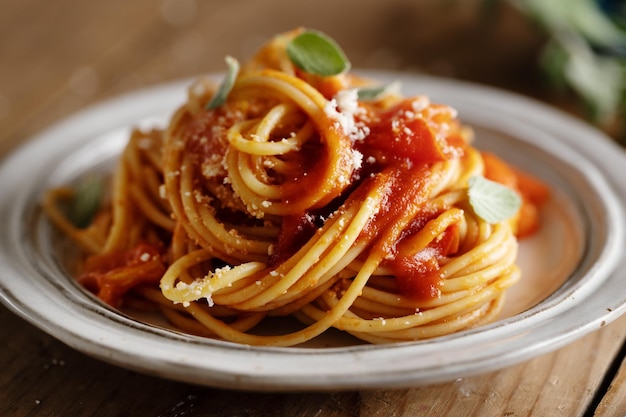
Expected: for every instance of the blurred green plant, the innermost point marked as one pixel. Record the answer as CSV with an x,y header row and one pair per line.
x,y
586,52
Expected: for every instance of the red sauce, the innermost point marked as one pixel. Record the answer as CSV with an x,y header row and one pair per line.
x,y
111,275
409,145
417,274
295,231
399,135
404,147
406,190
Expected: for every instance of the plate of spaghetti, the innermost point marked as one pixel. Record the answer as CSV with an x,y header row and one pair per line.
x,y
295,224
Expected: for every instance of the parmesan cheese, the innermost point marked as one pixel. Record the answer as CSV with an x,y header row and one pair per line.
x,y
356,158
342,109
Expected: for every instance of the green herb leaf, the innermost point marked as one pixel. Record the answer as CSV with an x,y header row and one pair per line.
x,y
492,201
227,84
86,201
316,53
374,93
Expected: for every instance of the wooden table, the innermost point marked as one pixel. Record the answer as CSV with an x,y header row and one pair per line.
x,y
57,57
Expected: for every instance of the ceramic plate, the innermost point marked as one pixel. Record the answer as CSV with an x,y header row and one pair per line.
x,y
572,269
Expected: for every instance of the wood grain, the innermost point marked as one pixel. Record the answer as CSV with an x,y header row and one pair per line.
x,y
58,57
41,376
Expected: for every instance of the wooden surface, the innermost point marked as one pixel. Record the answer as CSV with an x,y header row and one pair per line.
x,y
57,57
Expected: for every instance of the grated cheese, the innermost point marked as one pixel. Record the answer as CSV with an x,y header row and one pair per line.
x,y
420,103
342,109
356,158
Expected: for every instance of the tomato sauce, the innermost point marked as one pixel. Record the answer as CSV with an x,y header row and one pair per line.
x,y
402,134
418,274
111,275
403,146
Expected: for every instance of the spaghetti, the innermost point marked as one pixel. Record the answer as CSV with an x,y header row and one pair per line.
x,y
295,197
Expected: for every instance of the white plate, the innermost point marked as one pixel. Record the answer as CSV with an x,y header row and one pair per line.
x,y
572,282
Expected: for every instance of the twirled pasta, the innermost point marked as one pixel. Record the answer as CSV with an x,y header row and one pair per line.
x,y
295,198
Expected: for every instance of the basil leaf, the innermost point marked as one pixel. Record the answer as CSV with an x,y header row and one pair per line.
x,y
86,201
492,201
368,94
227,84
318,54
374,93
